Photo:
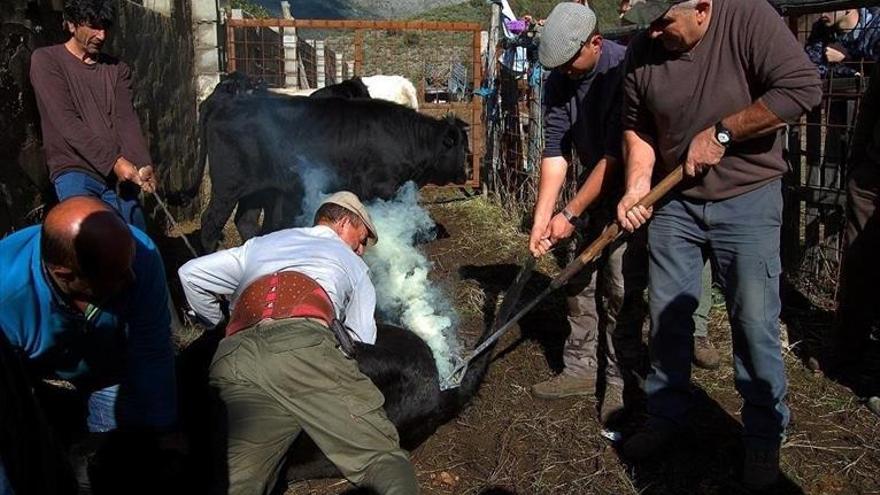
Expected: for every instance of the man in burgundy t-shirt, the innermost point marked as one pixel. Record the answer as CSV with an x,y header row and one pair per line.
x,y
708,86
91,134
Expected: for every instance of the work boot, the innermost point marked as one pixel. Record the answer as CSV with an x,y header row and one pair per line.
x,y
760,468
612,404
705,354
648,443
565,385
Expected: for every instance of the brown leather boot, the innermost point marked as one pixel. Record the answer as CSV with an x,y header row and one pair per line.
x,y
705,354
565,385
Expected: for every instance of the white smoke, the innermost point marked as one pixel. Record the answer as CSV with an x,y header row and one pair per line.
x,y
318,182
404,294
399,270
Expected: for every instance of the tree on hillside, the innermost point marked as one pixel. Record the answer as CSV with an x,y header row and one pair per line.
x,y
478,11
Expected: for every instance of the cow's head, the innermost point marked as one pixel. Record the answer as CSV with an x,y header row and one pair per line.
x,y
453,152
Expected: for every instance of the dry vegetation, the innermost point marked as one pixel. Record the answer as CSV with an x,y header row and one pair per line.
x,y
509,442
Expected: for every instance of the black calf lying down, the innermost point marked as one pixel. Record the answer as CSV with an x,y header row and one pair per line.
x,y
400,364
403,368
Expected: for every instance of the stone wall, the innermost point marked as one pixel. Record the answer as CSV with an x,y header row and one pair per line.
x,y
158,47
24,180
159,50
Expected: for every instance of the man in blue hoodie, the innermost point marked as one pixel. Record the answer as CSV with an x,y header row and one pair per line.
x,y
83,298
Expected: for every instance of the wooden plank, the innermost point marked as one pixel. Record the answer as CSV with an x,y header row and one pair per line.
x,y
476,111
455,105
791,212
358,53
357,24
230,46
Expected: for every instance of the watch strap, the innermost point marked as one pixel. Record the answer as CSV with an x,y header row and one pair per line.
x,y
721,132
571,217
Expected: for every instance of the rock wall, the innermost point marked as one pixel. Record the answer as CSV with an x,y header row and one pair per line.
x,y
159,49
24,181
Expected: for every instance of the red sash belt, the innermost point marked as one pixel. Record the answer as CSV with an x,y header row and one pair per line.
x,y
278,296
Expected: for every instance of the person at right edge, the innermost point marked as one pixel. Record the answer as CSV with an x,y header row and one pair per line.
x,y
708,86
858,319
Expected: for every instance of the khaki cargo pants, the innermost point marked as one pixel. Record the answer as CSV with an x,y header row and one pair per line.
x,y
281,377
606,299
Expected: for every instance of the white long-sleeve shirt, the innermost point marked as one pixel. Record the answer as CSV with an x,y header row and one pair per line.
x,y
317,252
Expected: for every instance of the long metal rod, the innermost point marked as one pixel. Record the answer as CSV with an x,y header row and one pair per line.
x,y
501,331
609,235
175,224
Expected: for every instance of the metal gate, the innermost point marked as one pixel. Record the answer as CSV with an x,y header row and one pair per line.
x,y
443,59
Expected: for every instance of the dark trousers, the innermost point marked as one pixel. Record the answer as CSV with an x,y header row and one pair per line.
x,y
741,237
858,309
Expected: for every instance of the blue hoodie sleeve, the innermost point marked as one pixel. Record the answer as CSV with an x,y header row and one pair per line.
x,y
557,121
148,389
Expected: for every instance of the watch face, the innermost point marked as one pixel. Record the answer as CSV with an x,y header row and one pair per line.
x,y
723,137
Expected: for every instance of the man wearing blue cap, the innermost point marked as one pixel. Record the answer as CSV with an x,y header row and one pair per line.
x,y
708,86
582,112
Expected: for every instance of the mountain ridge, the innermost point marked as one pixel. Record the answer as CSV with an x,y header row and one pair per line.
x,y
355,9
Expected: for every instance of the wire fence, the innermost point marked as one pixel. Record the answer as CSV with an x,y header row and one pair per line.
x,y
442,59
817,150
515,126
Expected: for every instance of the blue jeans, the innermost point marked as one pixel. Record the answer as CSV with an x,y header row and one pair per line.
x,y
741,236
102,409
75,183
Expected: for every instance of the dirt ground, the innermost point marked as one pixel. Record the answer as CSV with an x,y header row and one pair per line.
x,y
506,441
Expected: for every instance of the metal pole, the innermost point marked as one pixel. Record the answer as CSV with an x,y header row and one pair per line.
x,y
175,224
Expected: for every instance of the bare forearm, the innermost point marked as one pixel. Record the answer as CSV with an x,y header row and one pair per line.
x,y
553,172
593,186
756,120
639,157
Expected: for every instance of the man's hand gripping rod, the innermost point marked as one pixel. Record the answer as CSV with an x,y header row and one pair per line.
x,y
609,235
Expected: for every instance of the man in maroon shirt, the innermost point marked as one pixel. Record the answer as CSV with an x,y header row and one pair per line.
x,y
91,134
708,86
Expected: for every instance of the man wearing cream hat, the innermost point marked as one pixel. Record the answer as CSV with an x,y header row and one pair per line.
x,y
298,298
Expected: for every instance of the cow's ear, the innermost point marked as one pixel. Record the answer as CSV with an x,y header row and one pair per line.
x,y
452,137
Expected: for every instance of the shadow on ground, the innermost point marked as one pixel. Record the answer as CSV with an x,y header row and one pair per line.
x,y
810,330
706,458
546,323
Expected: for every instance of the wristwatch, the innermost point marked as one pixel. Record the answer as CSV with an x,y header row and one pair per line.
x,y
723,134
571,217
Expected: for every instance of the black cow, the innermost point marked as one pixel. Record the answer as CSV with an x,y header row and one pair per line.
x,y
403,368
258,143
401,365
349,88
